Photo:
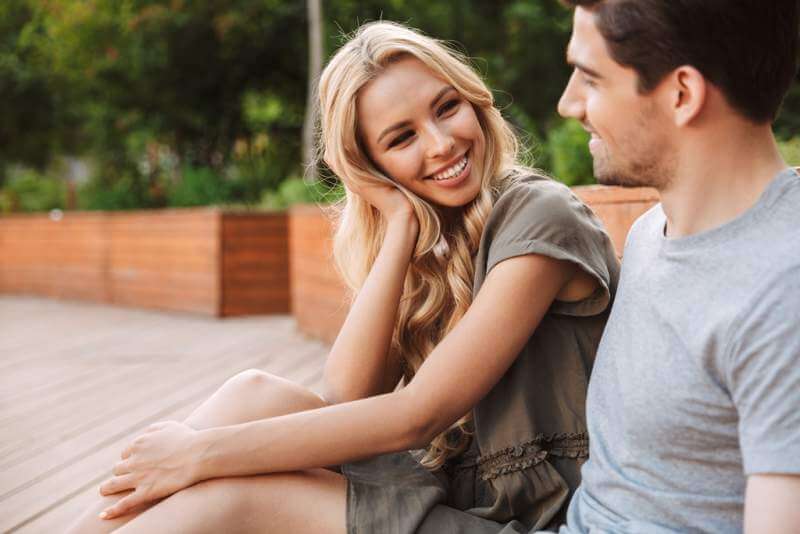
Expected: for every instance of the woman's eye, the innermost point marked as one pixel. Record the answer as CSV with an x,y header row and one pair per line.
x,y
447,106
401,138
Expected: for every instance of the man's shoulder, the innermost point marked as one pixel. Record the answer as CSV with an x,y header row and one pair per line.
x,y
649,225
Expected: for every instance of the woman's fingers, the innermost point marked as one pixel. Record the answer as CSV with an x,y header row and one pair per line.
x,y
117,484
156,426
124,505
121,468
127,451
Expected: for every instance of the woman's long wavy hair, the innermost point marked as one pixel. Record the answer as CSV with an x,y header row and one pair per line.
x,y
438,285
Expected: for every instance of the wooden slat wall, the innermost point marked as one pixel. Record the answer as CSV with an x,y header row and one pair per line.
x,y
195,260
255,264
319,300
165,260
60,259
617,207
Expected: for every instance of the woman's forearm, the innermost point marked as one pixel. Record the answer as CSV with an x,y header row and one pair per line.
x,y
324,437
357,364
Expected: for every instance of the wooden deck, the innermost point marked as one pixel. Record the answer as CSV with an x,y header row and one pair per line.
x,y
78,381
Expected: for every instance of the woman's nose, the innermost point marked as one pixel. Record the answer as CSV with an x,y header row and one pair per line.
x,y
440,143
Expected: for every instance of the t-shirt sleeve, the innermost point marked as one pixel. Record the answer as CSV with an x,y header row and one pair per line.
x,y
545,217
764,377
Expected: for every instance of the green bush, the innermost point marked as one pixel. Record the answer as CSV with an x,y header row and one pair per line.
x,y
262,163
568,153
28,190
298,191
198,186
124,193
790,150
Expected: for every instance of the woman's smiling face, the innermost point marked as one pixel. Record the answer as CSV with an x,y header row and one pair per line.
x,y
422,133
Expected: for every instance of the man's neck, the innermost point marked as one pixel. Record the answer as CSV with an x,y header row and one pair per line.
x,y
719,176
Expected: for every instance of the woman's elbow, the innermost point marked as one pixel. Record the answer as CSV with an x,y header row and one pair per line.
x,y
338,387
339,391
420,424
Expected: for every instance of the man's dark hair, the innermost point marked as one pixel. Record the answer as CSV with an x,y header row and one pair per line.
x,y
747,48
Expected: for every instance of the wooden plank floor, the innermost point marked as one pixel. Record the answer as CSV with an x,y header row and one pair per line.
x,y
78,381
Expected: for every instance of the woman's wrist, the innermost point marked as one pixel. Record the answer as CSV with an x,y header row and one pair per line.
x,y
203,451
403,221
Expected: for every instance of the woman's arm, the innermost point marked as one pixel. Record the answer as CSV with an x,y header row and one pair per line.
x,y
359,364
455,376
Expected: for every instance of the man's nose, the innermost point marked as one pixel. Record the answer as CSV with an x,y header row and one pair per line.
x,y
571,104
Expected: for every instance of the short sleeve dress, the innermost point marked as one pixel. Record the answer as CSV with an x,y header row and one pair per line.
x,y
529,433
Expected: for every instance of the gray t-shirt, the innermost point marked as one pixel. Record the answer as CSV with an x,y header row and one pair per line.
x,y
697,379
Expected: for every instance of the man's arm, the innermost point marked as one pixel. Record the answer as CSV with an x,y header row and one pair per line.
x,y
772,504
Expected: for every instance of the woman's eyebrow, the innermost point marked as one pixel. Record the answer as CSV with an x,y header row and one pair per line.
x,y
391,128
446,89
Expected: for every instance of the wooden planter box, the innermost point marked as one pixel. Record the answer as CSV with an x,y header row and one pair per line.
x,y
318,294
198,260
617,207
319,299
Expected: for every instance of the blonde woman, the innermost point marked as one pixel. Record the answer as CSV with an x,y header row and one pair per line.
x,y
455,390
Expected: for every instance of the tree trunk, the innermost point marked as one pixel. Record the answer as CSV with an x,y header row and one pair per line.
x,y
314,69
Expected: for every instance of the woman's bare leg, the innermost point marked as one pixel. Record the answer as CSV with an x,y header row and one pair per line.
x,y
309,501
248,396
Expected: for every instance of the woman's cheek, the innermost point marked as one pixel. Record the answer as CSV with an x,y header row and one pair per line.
x,y
401,169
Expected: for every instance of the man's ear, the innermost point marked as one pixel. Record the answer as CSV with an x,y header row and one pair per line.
x,y
687,94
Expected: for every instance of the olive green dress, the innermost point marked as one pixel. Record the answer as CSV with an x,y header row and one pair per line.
x,y
529,439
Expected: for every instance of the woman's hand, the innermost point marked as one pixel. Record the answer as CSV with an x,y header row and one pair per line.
x,y
386,198
155,465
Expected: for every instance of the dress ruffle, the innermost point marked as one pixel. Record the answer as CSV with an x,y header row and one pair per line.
x,y
532,452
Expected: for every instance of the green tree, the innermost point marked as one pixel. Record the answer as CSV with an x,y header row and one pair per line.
x,y
28,106
174,72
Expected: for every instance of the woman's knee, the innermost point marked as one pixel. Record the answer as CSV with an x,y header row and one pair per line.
x,y
255,385
251,380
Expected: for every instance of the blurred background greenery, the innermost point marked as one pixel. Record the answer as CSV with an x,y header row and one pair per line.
x,y
126,104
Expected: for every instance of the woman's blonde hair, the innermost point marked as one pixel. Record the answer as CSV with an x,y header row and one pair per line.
x,y
438,285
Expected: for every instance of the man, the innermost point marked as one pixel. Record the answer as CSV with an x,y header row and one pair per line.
x,y
694,401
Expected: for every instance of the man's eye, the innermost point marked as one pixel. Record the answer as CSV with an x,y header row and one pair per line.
x,y
401,138
447,106
589,82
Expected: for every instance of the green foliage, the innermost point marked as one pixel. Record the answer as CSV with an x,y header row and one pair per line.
x,y
198,186
136,72
28,106
29,191
569,157
790,150
265,159
212,92
788,123
125,192
298,191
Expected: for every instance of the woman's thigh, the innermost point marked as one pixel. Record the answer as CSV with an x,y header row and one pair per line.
x,y
309,501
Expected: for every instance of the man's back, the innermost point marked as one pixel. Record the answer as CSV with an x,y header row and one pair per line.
x,y
697,379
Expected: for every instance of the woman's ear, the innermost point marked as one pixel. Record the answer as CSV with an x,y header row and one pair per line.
x,y
688,91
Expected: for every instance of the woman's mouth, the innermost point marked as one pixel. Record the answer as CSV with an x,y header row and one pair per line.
x,y
454,174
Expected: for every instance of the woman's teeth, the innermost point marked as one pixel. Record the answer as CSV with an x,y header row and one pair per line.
x,y
452,172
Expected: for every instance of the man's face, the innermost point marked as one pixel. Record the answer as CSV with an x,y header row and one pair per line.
x,y
630,141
